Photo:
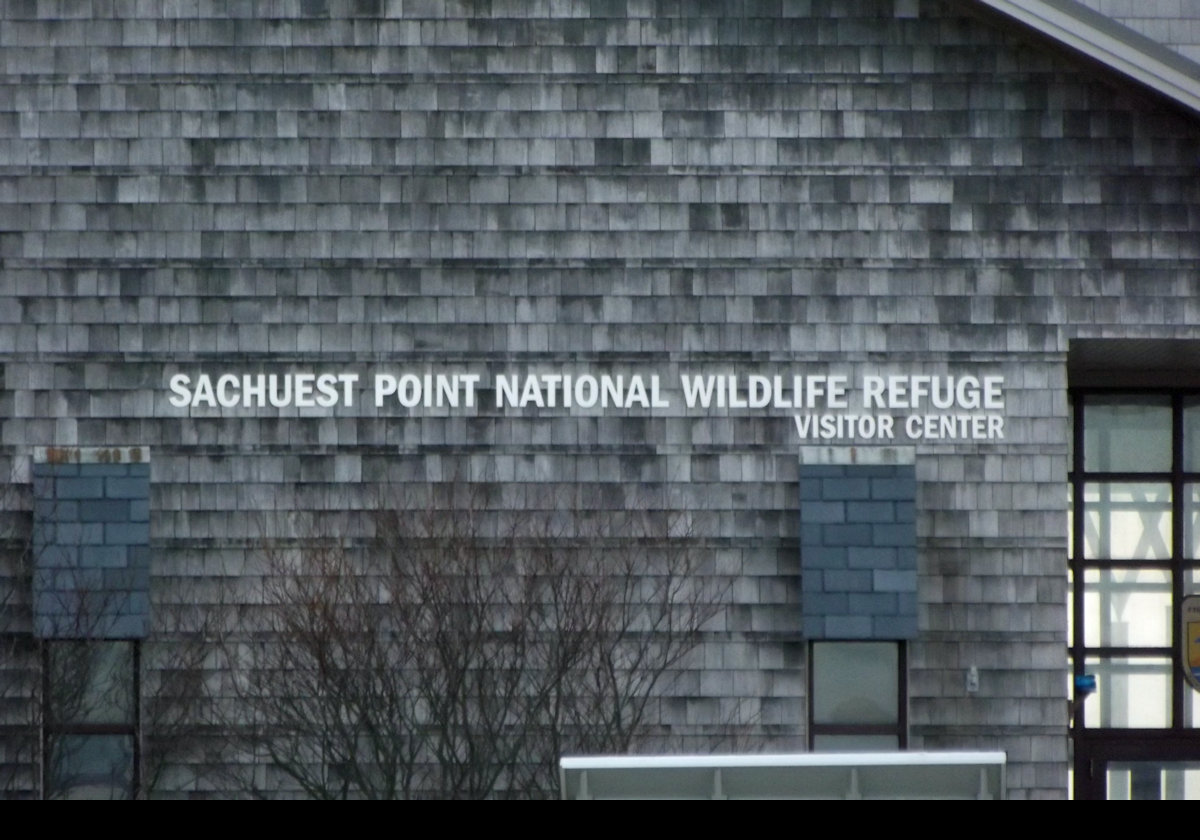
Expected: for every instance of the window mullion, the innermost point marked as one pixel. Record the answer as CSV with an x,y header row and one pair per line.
x,y
1177,552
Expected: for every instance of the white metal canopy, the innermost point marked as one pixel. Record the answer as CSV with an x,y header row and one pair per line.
x,y
883,775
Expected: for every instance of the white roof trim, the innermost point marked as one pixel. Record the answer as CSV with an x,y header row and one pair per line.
x,y
810,759
1110,43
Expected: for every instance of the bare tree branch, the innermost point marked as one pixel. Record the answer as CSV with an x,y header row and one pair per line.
x,y
465,647
19,671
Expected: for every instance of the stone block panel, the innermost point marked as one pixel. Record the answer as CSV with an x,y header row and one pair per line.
x,y
91,547
858,550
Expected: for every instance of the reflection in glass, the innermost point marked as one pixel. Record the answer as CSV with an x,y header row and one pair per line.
x,y
1127,607
855,682
1191,434
856,743
1070,608
1171,780
1127,521
1070,436
1127,434
1070,522
1191,707
1132,691
90,682
1191,520
89,766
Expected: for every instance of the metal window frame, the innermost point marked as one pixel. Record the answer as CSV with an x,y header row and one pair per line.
x,y
1095,746
899,729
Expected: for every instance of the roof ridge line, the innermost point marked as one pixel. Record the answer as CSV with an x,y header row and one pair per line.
x,y
1111,43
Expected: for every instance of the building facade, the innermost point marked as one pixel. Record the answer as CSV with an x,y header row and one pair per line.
x,y
861,299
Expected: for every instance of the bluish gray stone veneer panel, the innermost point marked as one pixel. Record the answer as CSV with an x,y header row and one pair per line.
x,y
91,551
858,551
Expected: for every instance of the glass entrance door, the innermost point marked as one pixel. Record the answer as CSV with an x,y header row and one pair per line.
x,y
1135,764
1134,540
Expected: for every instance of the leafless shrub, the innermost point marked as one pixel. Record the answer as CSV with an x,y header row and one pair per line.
x,y
19,738
465,647
177,717
323,681
56,691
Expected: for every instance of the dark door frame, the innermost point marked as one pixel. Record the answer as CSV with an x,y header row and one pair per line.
x,y
1095,748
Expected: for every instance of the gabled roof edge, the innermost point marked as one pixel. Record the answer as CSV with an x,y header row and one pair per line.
x,y
1110,43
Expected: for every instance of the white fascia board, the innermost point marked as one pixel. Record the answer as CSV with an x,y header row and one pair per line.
x,y
1110,43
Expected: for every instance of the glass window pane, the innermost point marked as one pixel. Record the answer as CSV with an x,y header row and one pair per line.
x,y
1071,437
1127,434
1171,780
90,682
1127,521
89,766
1191,706
1127,607
1191,521
1191,696
1132,692
1070,522
856,743
1070,607
856,682
1191,434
